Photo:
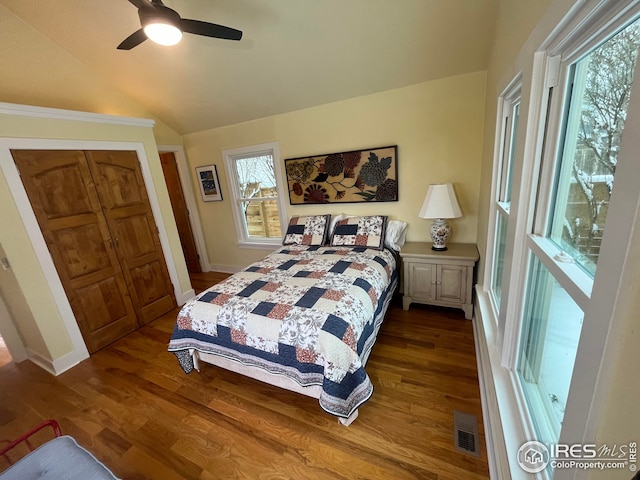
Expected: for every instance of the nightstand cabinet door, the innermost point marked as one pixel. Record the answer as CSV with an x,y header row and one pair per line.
x,y
450,283
422,281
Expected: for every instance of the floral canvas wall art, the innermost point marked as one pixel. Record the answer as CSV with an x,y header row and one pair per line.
x,y
358,176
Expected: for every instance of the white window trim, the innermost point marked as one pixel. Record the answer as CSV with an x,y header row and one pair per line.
x,y
272,148
506,101
544,77
503,407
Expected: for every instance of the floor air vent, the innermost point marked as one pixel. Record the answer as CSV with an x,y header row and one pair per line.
x,y
466,433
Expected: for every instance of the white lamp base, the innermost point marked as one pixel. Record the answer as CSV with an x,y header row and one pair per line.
x,y
439,231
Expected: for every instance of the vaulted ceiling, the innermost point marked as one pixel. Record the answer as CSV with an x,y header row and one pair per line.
x,y
294,54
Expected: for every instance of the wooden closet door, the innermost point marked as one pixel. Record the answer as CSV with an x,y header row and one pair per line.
x,y
126,206
62,193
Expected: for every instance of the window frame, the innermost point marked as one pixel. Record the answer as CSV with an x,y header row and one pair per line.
x,y
504,164
230,157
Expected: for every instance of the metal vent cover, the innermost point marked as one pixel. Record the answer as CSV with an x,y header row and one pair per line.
x,y
465,428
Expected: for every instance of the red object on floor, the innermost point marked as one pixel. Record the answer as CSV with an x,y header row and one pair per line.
x,y
24,438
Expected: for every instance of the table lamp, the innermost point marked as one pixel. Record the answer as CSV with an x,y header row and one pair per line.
x,y
440,203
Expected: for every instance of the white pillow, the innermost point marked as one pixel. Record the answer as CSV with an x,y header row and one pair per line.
x,y
335,219
395,235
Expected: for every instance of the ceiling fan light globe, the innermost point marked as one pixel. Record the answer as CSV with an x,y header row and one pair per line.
x,y
163,33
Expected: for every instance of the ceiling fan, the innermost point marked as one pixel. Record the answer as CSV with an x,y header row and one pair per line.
x,y
163,25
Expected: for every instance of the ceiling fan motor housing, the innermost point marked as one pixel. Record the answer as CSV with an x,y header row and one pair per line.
x,y
159,14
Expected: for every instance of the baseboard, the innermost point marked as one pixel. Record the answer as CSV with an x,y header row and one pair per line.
x,y
224,268
494,438
188,295
57,366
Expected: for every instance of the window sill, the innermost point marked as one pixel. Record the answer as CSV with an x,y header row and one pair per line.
x,y
261,244
501,410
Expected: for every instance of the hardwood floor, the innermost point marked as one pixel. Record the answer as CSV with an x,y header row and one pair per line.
x,y
5,356
131,405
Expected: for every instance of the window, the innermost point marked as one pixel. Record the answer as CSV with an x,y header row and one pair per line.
x,y
564,246
510,106
559,276
256,193
552,326
601,87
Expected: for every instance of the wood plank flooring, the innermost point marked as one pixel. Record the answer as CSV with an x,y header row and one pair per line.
x,y
133,407
5,356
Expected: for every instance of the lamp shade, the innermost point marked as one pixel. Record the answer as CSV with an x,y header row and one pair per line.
x,y
440,202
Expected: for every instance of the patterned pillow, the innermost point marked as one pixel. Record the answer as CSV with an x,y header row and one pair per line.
x,y
360,232
309,230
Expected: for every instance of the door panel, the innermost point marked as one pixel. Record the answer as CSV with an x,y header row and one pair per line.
x,y
100,301
180,211
120,186
62,193
148,282
452,279
82,249
135,235
423,276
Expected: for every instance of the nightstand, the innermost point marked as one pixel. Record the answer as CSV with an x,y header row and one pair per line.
x,y
439,278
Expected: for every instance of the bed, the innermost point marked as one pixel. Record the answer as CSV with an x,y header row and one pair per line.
x,y
304,318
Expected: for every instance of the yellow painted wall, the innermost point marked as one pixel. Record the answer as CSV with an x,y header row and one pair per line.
x,y
44,333
516,22
17,308
436,125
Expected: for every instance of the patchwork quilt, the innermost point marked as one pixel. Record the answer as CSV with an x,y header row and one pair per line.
x,y
306,312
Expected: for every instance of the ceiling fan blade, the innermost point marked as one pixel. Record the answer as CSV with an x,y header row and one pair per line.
x,y
133,40
139,3
210,29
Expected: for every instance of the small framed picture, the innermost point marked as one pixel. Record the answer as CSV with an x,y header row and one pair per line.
x,y
209,183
